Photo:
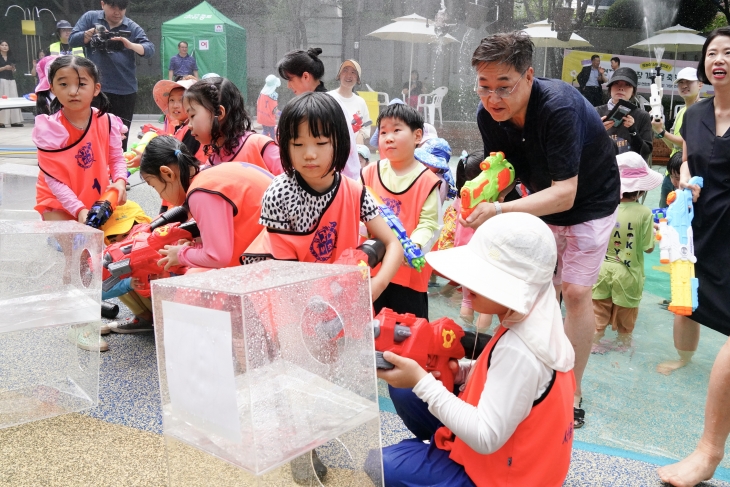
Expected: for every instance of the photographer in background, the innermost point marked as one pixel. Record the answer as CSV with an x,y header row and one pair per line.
x,y
113,54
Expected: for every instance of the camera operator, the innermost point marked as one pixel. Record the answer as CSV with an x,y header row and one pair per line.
x,y
113,52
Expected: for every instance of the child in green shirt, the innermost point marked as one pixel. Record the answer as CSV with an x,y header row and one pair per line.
x,y
617,293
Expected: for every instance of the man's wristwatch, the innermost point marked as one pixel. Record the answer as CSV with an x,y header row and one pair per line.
x,y
497,208
660,135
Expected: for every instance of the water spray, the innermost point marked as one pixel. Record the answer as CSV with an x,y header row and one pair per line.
x,y
657,90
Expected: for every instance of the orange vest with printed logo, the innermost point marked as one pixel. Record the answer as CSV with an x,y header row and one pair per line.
x,y
407,207
537,453
243,186
251,150
336,231
83,166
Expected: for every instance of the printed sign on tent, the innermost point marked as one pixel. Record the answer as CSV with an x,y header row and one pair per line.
x,y
203,45
219,27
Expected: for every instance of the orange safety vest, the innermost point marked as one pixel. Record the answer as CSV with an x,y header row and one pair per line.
x,y
537,453
336,231
407,206
83,166
265,107
251,150
243,186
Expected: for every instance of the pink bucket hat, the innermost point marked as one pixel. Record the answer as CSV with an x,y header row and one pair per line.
x,y
635,174
42,68
162,89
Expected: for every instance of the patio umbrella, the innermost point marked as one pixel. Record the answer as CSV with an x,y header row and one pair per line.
x,y
411,28
676,38
543,36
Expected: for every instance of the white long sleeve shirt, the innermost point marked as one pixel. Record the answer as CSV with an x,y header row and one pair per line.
x,y
515,380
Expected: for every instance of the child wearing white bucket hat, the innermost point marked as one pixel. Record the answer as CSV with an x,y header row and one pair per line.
x,y
617,293
512,422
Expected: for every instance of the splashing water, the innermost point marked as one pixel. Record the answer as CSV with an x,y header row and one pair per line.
x,y
659,14
467,99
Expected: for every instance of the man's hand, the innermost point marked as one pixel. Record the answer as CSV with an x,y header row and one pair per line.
x,y
406,373
607,123
482,212
126,42
601,70
88,34
628,121
657,127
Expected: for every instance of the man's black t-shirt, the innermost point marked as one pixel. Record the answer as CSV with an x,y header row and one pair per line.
x,y
563,137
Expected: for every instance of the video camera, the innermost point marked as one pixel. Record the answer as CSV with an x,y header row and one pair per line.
x,y
101,40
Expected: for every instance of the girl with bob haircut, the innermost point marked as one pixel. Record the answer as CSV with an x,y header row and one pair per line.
x,y
219,121
224,200
312,213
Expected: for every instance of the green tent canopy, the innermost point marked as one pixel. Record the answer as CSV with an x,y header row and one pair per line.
x,y
217,43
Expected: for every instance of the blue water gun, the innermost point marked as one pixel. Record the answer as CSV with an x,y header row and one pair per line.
x,y
412,252
676,245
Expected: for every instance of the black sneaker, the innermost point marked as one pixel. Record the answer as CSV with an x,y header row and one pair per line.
x,y
132,325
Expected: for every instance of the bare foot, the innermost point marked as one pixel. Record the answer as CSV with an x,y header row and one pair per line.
x,y
670,366
691,471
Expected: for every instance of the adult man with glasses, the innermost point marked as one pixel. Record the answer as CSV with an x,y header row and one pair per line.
x,y
563,156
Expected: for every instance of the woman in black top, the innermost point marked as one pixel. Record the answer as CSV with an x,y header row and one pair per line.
x,y
706,134
636,126
8,87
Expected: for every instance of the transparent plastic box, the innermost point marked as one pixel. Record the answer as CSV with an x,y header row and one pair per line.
x,y
17,192
50,291
262,369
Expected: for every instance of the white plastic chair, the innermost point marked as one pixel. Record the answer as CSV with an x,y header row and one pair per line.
x,y
431,102
643,103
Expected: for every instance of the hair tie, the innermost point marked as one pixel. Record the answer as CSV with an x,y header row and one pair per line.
x,y
177,152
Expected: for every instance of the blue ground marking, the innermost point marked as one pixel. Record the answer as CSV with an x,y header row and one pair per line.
x,y
386,404
720,473
13,149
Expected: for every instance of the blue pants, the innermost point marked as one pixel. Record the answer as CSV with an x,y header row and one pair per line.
x,y
412,463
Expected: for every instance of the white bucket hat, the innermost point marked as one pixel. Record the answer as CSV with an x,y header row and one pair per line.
x,y
429,132
509,260
635,174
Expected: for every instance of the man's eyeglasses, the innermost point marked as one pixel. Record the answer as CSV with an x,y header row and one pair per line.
x,y
504,92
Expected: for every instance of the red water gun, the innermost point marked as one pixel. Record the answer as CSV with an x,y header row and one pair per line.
x,y
101,210
432,345
138,254
357,123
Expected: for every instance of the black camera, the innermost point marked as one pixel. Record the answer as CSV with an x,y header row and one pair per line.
x,y
101,40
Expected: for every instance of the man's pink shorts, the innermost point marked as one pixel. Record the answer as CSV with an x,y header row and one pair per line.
x,y
581,249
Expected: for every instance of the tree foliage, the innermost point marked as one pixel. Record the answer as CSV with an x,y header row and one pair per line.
x,y
696,14
624,14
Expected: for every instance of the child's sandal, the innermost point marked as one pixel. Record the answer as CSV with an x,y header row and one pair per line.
x,y
579,416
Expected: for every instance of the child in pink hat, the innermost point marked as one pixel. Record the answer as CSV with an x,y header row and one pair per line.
x,y
617,293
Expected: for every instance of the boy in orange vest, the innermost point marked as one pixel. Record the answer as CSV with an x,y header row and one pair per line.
x,y
410,189
512,422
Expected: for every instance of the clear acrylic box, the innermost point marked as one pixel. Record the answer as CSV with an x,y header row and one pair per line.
x,y
50,291
261,365
17,192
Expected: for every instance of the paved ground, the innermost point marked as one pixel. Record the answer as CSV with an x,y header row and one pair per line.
x,y
119,442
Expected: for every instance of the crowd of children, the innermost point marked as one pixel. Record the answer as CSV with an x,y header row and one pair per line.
x,y
286,194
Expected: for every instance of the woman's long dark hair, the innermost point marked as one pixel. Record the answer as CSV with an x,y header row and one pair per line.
x,y
324,118
212,94
77,63
166,150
